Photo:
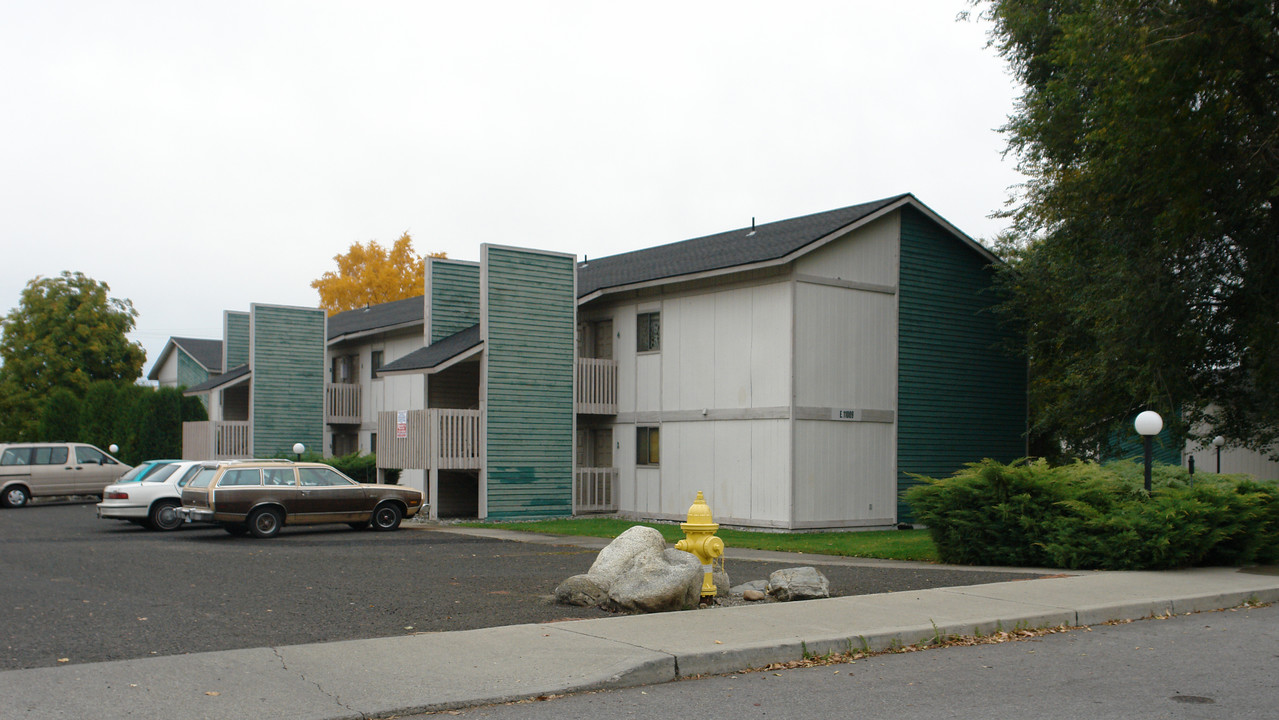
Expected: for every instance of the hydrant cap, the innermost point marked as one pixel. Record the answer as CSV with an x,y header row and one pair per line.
x,y
699,515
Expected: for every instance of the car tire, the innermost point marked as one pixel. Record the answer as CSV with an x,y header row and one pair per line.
x,y
265,523
386,517
164,516
15,497
236,529
359,525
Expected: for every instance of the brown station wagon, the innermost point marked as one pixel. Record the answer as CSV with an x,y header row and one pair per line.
x,y
261,496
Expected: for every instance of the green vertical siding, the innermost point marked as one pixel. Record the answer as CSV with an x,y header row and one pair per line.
x,y
960,397
288,379
191,373
236,345
455,297
529,325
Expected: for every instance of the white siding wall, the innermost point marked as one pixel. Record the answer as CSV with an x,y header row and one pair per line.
x,y
168,374
846,359
725,352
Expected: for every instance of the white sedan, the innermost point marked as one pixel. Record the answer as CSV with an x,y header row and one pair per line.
x,y
154,501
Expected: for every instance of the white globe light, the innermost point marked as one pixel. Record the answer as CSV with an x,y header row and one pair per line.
x,y
1148,423
299,448
113,448
1219,441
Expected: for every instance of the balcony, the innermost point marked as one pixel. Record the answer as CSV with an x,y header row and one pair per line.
x,y
342,404
437,438
594,490
213,440
596,386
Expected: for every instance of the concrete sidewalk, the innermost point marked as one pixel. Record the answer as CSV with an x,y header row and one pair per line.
x,y
404,675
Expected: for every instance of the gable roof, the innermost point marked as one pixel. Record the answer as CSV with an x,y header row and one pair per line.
x,y
208,353
762,244
436,354
377,318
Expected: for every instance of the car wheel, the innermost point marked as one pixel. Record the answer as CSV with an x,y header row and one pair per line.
x,y
164,516
236,530
15,497
386,517
265,523
359,526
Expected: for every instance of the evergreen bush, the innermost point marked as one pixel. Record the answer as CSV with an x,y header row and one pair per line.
x,y
1086,515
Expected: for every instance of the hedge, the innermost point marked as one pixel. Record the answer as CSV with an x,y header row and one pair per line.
x,y
1091,516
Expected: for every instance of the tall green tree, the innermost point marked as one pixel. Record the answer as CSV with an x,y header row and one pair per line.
x,y
1145,244
66,332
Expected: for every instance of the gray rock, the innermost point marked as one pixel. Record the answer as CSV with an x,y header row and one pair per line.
x,y
657,582
580,590
617,558
757,585
802,583
753,595
722,583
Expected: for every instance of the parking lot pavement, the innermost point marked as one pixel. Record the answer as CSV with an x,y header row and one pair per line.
x,y
77,589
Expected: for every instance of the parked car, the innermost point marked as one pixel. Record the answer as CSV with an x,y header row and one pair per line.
x,y
261,496
142,470
30,470
153,500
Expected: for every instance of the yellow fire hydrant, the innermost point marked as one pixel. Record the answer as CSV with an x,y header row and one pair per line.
x,y
699,539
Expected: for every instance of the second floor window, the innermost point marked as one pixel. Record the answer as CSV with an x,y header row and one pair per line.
x,y
649,332
375,363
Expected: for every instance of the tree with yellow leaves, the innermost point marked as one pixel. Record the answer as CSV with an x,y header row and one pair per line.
x,y
369,275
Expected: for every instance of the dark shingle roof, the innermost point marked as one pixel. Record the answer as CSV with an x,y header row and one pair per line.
x,y
206,352
437,353
227,378
374,317
769,241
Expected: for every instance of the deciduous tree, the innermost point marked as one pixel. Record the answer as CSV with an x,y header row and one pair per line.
x,y
369,274
1146,238
66,332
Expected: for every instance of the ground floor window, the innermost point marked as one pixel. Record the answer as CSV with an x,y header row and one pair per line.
x,y
647,447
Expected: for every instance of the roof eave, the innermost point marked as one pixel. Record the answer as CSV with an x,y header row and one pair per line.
x,y
445,365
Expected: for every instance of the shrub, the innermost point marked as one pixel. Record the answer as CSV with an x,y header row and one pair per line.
x,y
1086,515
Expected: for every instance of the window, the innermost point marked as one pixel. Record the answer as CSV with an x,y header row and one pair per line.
x,y
49,455
204,478
375,363
89,456
16,456
649,332
647,448
321,477
278,476
195,470
241,477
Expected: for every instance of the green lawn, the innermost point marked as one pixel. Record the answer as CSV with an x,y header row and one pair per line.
x,y
888,544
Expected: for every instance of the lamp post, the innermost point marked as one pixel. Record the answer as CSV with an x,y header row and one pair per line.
x,y
1218,442
1148,425
298,449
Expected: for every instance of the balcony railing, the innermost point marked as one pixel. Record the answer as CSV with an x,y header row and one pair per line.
x,y
214,440
594,490
342,404
596,386
440,438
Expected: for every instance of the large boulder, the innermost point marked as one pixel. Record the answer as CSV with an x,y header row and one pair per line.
x,y
638,573
801,583
657,582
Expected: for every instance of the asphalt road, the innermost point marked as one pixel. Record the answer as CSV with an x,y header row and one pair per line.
x,y
76,589
1205,665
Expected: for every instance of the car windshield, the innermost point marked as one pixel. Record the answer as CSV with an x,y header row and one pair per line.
x,y
135,474
161,474
186,476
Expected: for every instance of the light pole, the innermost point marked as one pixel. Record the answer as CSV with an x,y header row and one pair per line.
x,y
1218,442
298,449
1148,425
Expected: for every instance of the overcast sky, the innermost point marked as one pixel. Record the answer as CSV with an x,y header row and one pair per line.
x,y
199,157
